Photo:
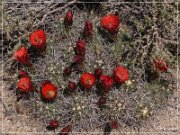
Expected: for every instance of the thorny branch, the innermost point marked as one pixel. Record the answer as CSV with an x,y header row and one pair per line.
x,y
53,11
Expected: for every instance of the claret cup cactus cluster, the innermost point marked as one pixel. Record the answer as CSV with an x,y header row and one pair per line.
x,y
81,83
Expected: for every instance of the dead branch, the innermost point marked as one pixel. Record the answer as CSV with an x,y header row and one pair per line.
x,y
53,11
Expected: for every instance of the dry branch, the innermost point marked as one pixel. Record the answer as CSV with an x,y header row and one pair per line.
x,y
53,11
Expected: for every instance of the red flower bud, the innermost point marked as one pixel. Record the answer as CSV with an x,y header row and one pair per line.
x,y
114,125
71,86
110,23
161,65
102,101
21,56
88,29
68,19
87,80
98,72
48,91
44,82
78,59
80,48
106,82
66,130
38,39
22,73
120,74
25,83
67,71
53,124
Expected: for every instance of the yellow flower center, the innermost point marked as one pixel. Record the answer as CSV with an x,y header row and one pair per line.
x,y
51,93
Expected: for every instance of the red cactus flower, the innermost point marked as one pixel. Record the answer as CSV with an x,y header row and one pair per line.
x,y
160,65
87,80
53,124
68,19
66,130
67,71
38,39
114,125
98,72
71,86
88,29
21,56
80,48
48,91
110,23
101,101
106,82
25,83
120,74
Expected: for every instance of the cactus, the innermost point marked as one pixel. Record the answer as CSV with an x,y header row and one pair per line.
x,y
143,35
